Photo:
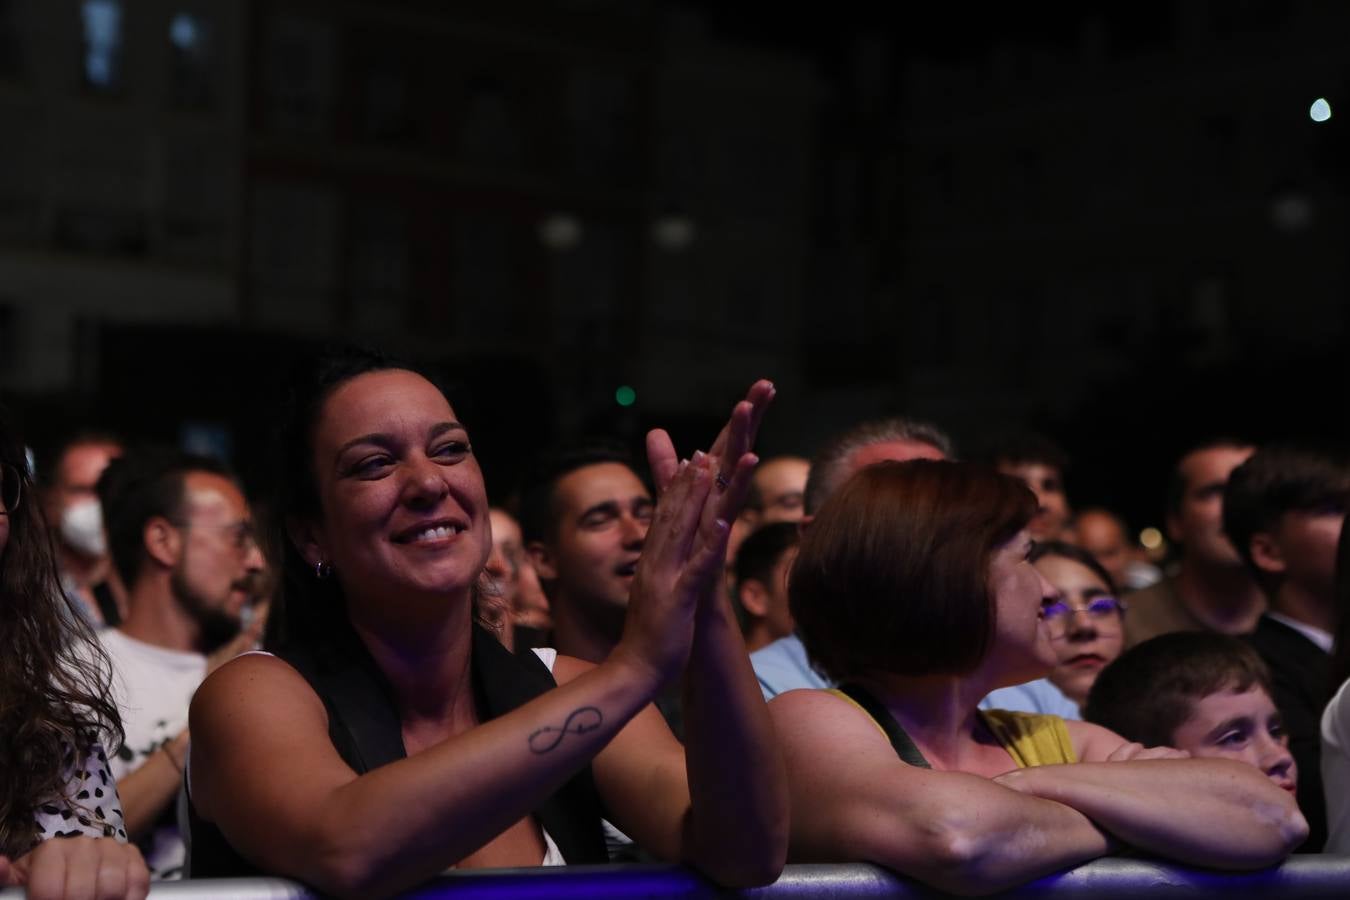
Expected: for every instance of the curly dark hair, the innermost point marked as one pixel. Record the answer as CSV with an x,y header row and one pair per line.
x,y
54,677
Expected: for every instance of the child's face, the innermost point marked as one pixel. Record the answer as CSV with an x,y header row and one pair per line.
x,y
1244,726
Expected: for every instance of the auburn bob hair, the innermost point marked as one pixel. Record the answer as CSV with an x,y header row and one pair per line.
x,y
893,573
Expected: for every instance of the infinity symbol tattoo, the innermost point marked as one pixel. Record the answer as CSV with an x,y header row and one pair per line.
x,y
581,721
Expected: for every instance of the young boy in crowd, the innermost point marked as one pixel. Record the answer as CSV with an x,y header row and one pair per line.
x,y
1206,693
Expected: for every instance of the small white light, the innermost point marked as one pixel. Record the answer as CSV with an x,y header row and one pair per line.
x,y
1320,111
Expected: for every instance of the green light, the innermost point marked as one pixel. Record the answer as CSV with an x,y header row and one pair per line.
x,y
625,396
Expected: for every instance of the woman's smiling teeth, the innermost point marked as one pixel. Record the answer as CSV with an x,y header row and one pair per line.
x,y
434,533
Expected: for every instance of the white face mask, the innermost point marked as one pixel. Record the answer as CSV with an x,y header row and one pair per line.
x,y
82,527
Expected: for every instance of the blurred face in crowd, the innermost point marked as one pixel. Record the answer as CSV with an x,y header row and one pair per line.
x,y
1021,649
1084,624
1047,483
1241,725
72,506
514,574
768,603
780,483
601,515
219,564
1301,550
1101,534
1197,524
404,510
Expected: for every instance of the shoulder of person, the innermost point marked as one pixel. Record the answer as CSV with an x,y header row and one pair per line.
x,y
566,668
1092,742
809,711
249,674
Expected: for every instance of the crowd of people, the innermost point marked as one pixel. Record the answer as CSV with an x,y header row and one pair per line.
x,y
887,653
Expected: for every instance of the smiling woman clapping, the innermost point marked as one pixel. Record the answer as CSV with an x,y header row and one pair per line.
x,y
391,737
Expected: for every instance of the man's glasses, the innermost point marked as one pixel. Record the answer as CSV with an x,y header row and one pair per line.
x,y
240,535
11,487
1104,613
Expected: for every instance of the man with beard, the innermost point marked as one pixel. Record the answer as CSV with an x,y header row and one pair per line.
x,y
181,538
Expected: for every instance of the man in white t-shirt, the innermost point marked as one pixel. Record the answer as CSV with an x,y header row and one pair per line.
x,y
181,538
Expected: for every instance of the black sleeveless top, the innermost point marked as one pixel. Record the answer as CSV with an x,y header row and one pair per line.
x,y
365,730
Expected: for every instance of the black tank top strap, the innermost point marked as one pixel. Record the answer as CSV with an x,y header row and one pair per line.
x,y
904,745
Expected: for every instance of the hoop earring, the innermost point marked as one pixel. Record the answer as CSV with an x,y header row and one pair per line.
x,y
322,570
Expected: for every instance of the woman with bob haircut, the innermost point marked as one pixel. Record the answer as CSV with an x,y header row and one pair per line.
x,y
392,737
61,827
913,590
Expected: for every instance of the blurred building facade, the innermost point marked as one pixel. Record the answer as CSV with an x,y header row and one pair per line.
x,y
119,176
598,191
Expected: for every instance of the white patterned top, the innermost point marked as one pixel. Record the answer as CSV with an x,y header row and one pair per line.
x,y
89,806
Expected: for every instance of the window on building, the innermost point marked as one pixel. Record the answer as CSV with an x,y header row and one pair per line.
x,y
102,20
192,77
11,63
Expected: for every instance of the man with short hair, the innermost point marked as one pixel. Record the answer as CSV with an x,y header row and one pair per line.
x,y
1212,590
760,597
584,515
1283,509
71,507
778,488
776,491
896,439
1039,463
181,537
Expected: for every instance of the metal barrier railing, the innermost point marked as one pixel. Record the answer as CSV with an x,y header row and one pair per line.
x,y
1304,877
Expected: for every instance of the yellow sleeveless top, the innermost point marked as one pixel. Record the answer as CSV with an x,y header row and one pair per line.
x,y
1031,739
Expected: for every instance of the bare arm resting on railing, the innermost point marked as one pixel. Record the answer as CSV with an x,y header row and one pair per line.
x,y
1205,812
853,800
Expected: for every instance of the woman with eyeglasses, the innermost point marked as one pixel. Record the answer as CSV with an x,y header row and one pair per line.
x,y
914,590
1084,620
54,717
